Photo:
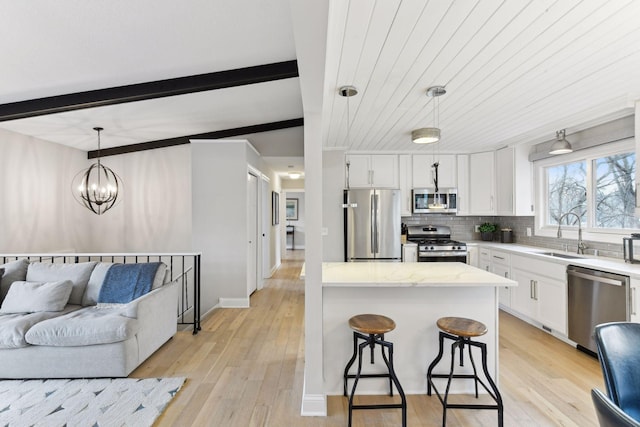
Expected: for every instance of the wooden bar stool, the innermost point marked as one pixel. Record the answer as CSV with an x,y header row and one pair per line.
x,y
370,329
460,331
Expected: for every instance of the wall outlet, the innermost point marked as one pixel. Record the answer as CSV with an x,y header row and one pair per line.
x,y
477,228
528,231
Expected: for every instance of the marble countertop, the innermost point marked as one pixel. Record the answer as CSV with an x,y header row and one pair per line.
x,y
612,265
408,274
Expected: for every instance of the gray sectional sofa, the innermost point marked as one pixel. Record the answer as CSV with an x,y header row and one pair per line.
x,y
75,321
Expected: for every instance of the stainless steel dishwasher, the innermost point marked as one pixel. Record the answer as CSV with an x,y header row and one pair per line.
x,y
594,297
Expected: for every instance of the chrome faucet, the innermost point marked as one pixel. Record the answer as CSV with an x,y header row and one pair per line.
x,y
581,245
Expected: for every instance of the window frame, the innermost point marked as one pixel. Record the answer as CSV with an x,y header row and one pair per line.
x,y
606,235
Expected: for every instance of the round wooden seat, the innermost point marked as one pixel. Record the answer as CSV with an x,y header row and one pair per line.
x,y
372,324
462,327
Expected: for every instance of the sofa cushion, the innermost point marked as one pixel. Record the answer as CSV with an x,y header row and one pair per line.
x,y
13,327
161,276
13,271
48,272
125,282
87,326
32,297
92,290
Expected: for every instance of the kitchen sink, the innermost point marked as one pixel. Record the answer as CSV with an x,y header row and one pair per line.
x,y
560,255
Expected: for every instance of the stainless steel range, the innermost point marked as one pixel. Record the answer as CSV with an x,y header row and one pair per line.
x,y
435,244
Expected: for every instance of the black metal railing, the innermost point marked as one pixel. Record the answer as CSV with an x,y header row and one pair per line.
x,y
183,267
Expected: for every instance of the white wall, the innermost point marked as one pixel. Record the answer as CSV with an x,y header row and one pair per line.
x,y
332,212
38,212
155,212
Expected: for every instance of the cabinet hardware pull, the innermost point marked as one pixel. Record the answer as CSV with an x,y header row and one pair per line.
x,y
535,290
531,289
633,301
498,257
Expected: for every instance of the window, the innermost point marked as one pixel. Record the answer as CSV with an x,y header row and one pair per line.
x,y
594,186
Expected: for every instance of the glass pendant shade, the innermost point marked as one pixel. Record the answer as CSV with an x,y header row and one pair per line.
x,y
97,188
425,135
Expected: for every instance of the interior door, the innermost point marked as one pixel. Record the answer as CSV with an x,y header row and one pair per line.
x,y
252,233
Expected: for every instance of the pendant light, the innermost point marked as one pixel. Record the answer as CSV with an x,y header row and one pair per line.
x,y
430,135
97,188
347,92
561,145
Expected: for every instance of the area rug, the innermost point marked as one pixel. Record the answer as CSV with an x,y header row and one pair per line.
x,y
107,402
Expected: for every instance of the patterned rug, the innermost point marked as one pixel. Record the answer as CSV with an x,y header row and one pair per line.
x,y
88,403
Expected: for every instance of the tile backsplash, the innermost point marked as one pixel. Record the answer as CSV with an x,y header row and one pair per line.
x,y
462,228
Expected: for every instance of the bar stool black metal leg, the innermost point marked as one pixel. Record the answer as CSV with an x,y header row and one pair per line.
x,y
386,362
394,378
475,372
350,362
357,377
497,396
446,392
435,362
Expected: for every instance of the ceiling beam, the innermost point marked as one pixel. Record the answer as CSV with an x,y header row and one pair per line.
x,y
181,140
149,90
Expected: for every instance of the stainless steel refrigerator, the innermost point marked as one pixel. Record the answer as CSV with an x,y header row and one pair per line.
x,y
372,225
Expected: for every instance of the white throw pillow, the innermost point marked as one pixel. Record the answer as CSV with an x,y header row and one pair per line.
x,y
33,297
92,290
49,272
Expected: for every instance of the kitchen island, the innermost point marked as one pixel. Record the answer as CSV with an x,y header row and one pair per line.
x,y
415,295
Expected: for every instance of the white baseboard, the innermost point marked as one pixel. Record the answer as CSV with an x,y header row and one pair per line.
x,y
234,303
313,405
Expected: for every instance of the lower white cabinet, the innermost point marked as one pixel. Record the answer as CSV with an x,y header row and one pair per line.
x,y
484,259
501,265
540,297
409,252
634,307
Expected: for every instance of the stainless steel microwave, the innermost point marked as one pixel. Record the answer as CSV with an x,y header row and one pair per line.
x,y
427,200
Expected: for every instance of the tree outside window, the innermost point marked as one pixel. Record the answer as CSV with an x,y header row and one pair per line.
x,y
612,190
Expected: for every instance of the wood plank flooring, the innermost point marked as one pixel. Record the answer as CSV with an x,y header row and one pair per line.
x,y
245,368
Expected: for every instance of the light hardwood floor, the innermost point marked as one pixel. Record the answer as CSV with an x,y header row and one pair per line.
x,y
245,368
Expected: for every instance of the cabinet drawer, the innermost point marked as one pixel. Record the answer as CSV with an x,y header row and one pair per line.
x,y
501,258
541,267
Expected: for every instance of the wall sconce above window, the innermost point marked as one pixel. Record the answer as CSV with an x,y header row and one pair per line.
x,y
561,146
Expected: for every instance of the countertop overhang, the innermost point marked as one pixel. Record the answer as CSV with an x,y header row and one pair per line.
x,y
409,274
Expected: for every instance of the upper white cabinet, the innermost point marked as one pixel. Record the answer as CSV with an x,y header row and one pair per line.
x,y
424,173
405,184
463,184
373,170
513,182
482,184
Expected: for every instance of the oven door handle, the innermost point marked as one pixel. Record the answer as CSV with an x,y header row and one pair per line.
x,y
442,254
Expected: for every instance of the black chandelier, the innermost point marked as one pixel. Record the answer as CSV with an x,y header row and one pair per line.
x,y
97,187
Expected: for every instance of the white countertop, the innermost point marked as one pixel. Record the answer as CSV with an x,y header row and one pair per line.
x,y
612,265
412,274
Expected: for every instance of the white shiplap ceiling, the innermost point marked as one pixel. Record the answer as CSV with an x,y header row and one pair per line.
x,y
514,71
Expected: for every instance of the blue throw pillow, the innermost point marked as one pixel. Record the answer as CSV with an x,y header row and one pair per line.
x,y
125,282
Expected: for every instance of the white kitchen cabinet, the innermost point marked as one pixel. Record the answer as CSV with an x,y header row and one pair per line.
x,y
473,256
484,259
540,294
409,252
463,183
424,174
513,182
373,170
501,265
482,184
405,183
634,307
